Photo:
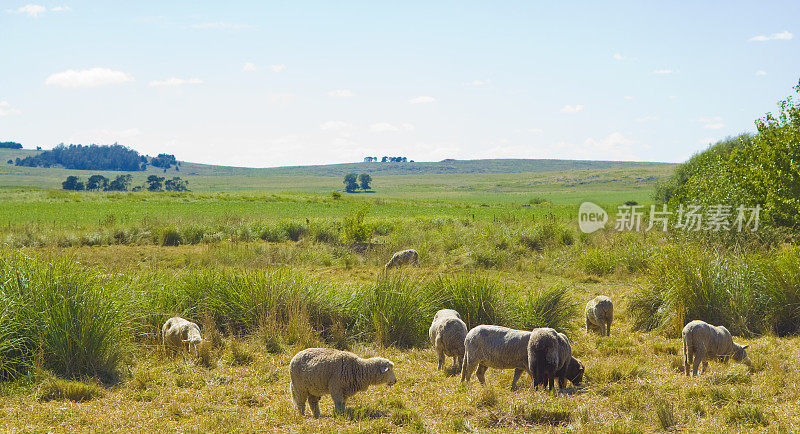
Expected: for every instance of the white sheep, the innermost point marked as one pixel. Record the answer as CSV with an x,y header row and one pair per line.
x,y
599,314
447,333
320,371
491,346
703,341
178,332
403,257
550,356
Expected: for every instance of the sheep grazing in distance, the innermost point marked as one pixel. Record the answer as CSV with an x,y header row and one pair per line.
x,y
550,356
490,346
703,341
178,332
599,314
319,371
447,333
403,257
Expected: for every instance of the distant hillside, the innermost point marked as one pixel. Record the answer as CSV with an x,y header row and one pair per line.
x,y
419,168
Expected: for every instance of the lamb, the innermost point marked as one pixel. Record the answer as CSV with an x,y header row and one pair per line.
x,y
447,333
178,331
403,257
599,314
318,371
491,346
550,356
702,341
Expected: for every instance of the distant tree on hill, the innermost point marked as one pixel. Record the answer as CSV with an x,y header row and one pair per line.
x,y
93,157
350,182
10,161
10,145
121,183
364,180
154,183
97,182
164,161
176,184
72,183
386,159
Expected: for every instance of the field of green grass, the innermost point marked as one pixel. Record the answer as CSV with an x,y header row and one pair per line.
x,y
271,263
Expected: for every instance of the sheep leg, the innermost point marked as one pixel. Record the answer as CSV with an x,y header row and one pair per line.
x,y
457,362
338,401
687,357
313,402
562,382
517,374
440,353
550,381
299,399
588,325
467,368
480,374
705,366
608,328
699,356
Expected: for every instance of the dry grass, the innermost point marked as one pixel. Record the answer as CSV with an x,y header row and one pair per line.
x,y
631,384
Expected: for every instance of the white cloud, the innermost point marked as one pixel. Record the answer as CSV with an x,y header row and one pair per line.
x,y
618,56
572,108
761,72
384,127
647,119
422,100
628,97
173,81
663,71
481,82
6,109
249,66
335,125
340,93
84,78
708,119
714,126
220,25
277,68
61,9
31,10
782,36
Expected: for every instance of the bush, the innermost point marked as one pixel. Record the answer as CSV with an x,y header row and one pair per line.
x,y
598,261
354,228
394,311
551,307
476,297
294,230
170,237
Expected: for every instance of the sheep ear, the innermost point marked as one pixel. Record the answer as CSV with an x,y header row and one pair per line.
x,y
384,369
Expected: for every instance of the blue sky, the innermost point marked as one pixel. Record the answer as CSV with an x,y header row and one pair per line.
x,y
283,83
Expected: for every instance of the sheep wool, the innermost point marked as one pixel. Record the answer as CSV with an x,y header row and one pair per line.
x,y
703,341
491,346
316,372
403,257
447,334
178,331
599,314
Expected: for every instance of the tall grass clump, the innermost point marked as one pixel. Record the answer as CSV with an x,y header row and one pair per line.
x,y
477,297
549,307
354,229
394,311
72,319
781,293
687,283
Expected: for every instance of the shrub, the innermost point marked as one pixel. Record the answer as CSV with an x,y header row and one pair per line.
x,y
598,261
354,228
476,297
170,237
394,311
273,234
551,307
56,389
294,230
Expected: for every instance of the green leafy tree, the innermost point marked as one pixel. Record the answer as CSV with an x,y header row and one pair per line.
x,y
97,182
364,180
154,183
176,184
72,183
350,182
121,183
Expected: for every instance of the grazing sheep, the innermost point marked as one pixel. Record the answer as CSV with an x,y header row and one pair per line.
x,y
178,331
403,257
490,346
703,341
550,356
447,335
599,314
319,371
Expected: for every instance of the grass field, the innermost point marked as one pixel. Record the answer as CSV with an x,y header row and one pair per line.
x,y
269,264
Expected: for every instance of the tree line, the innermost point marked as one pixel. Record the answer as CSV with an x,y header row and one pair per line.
x,y
353,182
95,157
10,145
123,183
386,159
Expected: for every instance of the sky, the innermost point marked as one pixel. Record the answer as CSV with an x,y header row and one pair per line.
x,y
261,83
